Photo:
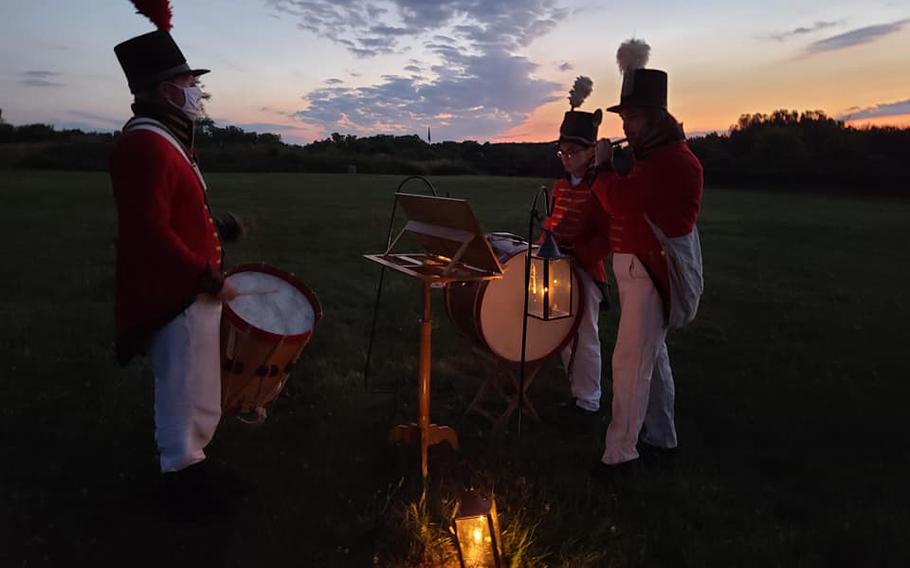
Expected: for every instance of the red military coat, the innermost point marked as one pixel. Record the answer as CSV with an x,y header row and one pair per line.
x,y
666,185
168,249
579,226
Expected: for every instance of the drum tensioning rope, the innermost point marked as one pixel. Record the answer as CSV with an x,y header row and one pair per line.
x,y
388,243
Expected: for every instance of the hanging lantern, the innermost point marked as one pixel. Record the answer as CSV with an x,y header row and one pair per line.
x,y
550,282
476,529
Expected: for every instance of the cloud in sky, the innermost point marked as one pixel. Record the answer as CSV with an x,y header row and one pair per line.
x,y
804,30
368,29
855,37
565,66
40,79
882,109
476,87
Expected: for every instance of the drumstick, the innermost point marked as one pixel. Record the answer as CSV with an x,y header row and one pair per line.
x,y
255,292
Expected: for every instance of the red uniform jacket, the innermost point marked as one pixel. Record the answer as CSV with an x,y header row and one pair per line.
x,y
168,249
665,185
579,226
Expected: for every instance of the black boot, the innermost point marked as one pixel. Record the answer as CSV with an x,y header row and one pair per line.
x,y
656,456
614,474
577,419
190,496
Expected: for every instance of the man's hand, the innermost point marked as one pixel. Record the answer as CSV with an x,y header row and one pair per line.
x,y
230,227
603,153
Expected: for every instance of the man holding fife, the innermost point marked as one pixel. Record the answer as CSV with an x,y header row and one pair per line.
x,y
652,205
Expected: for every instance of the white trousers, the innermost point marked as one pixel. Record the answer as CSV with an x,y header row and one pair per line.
x,y
643,390
584,379
186,361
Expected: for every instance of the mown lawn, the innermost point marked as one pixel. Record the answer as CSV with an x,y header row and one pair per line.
x,y
792,392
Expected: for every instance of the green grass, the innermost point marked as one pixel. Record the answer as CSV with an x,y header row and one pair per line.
x,y
792,387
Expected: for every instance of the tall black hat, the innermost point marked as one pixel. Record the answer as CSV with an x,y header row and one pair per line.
x,y
578,126
641,88
151,58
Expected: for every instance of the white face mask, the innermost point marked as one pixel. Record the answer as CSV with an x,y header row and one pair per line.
x,y
192,101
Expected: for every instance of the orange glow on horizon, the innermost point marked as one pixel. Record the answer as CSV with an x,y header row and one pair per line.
x,y
543,124
899,121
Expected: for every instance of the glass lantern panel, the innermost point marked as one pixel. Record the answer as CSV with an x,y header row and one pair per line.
x,y
475,542
560,288
536,288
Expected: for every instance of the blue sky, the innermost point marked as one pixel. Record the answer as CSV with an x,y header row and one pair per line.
x,y
475,69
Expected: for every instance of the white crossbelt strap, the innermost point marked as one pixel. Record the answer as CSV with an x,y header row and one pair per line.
x,y
153,125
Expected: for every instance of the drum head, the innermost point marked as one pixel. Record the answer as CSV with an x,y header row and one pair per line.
x,y
500,314
280,305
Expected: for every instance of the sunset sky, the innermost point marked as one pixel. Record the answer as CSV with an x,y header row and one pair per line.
x,y
470,69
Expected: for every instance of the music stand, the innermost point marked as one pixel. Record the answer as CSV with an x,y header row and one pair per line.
x,y
454,249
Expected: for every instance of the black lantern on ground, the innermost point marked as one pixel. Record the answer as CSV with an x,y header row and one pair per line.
x,y
550,282
476,528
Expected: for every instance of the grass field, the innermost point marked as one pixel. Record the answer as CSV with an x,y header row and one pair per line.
x,y
792,391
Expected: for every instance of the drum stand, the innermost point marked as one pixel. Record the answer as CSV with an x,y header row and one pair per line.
x,y
503,383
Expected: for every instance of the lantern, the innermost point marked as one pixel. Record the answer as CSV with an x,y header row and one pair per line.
x,y
476,529
550,282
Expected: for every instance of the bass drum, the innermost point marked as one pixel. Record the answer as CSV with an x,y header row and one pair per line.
x,y
491,311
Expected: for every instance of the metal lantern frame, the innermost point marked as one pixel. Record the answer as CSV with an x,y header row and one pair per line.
x,y
550,260
480,511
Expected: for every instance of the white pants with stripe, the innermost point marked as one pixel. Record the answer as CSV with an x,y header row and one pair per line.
x,y
186,361
584,379
643,390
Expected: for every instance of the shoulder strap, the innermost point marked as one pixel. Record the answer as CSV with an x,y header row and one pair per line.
x,y
152,125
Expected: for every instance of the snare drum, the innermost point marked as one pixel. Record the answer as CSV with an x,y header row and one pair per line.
x,y
491,311
263,332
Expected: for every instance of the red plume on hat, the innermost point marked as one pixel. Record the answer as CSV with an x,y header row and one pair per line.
x,y
158,11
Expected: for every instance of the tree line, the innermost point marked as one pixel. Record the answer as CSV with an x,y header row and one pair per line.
x,y
783,149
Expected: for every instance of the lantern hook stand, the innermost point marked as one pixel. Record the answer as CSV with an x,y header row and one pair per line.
x,y
534,216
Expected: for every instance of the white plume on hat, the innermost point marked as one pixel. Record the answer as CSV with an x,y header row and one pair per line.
x,y
580,91
632,54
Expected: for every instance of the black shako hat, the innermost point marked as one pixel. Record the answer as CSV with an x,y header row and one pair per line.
x,y
580,127
151,58
642,88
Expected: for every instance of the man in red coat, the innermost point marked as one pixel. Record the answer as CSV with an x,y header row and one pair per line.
x,y
659,196
169,256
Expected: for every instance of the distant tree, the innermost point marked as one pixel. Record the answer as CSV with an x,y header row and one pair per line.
x,y
780,148
784,148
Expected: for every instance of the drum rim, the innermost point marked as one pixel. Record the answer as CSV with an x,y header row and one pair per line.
x,y
288,277
478,304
